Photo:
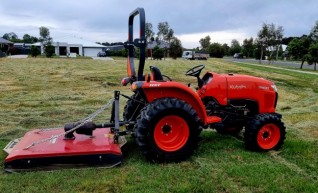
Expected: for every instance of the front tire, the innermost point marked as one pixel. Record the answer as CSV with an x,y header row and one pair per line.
x,y
264,133
168,130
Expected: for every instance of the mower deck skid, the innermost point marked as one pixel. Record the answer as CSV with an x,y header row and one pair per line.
x,y
96,150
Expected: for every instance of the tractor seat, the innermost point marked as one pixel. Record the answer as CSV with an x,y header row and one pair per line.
x,y
155,74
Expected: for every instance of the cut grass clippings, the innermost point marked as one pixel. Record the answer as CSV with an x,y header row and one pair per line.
x,y
42,93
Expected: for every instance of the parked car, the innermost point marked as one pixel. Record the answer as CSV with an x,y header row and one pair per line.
x,y
101,54
237,55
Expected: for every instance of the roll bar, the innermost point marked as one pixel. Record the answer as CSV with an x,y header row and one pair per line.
x,y
138,42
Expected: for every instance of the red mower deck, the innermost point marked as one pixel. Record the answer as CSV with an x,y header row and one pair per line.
x,y
84,150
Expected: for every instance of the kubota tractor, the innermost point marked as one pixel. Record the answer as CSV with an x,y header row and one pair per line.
x,y
168,116
165,117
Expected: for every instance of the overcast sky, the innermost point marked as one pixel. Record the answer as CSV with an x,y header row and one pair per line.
x,y
106,20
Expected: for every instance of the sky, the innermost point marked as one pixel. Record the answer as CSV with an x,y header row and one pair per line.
x,y
191,20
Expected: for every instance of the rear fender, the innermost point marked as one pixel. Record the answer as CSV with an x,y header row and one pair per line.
x,y
155,90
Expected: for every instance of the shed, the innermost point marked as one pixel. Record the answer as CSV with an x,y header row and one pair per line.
x,y
74,45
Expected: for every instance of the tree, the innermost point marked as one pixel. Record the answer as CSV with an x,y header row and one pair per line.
x,y
29,39
248,47
170,35
270,37
149,33
216,50
298,49
175,49
286,40
314,33
275,36
34,51
235,47
49,50
226,49
312,56
279,34
263,39
164,32
163,29
205,42
10,36
106,44
46,41
158,53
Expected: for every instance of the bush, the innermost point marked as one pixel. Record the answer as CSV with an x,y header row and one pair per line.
x,y
34,51
49,50
175,49
120,53
216,50
158,53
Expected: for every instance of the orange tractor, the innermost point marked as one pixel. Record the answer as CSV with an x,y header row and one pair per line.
x,y
165,117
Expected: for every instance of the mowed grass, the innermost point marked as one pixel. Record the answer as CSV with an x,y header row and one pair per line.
x,y
43,93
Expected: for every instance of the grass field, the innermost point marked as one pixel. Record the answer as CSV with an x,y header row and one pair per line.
x,y
37,93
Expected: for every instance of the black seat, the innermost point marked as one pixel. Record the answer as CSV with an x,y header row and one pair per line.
x,y
155,72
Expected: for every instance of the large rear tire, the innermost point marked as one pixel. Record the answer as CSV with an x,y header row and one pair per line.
x,y
168,130
264,133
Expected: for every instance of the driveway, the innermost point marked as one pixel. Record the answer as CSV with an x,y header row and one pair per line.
x,y
102,58
18,56
278,63
275,67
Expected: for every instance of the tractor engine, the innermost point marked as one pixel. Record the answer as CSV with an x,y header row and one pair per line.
x,y
234,98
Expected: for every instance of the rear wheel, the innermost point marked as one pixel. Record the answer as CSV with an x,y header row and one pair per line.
x,y
167,130
265,132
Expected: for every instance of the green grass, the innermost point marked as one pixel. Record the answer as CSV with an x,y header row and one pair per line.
x,y
37,93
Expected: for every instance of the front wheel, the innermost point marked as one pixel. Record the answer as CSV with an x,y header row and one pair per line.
x,y
264,133
167,130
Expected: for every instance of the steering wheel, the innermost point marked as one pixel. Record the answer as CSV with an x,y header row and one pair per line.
x,y
195,71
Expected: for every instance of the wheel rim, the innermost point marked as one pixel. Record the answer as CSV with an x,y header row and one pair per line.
x,y
171,133
268,136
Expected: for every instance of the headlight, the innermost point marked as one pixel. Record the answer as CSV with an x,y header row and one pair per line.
x,y
134,86
274,87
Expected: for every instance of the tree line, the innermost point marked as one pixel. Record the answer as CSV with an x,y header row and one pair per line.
x,y
12,37
268,42
164,36
44,38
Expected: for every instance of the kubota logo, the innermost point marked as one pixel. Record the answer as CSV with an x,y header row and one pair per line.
x,y
154,85
263,87
242,86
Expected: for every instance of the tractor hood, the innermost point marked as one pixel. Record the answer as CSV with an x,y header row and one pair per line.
x,y
243,82
225,87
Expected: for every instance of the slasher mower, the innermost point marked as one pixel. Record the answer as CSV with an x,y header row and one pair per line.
x,y
164,117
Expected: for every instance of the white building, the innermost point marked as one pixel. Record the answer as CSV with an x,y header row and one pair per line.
x,y
71,45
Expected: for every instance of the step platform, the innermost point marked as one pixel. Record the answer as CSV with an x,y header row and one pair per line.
x,y
58,153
